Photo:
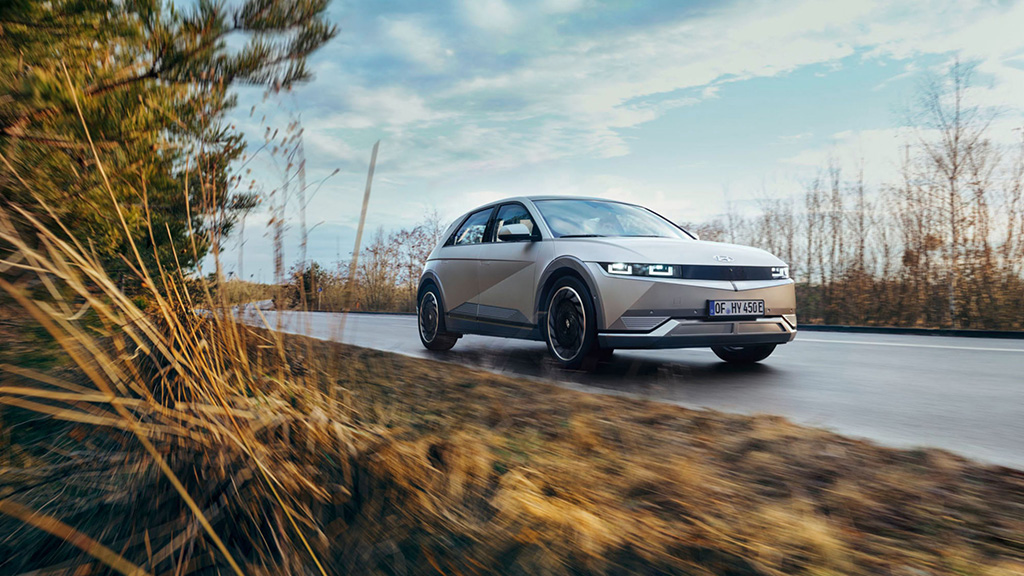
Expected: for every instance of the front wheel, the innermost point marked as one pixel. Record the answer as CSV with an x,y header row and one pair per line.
x,y
571,327
743,354
431,322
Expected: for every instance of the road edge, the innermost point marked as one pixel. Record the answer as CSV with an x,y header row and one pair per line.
x,y
999,334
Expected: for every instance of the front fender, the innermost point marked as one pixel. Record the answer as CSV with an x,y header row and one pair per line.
x,y
560,265
431,277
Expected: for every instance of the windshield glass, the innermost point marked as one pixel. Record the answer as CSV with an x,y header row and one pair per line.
x,y
593,218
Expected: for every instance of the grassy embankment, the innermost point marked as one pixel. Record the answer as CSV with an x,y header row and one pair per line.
x,y
389,465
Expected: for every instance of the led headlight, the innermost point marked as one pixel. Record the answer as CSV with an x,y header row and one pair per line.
x,y
660,270
780,272
626,269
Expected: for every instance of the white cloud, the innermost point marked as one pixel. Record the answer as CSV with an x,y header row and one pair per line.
x,y
561,6
491,15
976,28
387,108
976,31
909,70
796,137
329,146
1007,88
878,151
417,43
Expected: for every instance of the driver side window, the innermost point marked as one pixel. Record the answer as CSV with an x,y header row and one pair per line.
x,y
512,214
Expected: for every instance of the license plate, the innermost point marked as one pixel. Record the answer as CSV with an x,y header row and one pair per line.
x,y
735,308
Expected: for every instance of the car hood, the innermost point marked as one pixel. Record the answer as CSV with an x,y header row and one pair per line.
x,y
665,251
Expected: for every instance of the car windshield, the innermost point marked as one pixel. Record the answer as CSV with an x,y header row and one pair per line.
x,y
595,218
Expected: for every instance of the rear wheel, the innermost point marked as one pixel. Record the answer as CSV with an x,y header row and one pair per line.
x,y
571,327
743,354
431,321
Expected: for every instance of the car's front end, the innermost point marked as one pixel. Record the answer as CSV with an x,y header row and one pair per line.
x,y
670,293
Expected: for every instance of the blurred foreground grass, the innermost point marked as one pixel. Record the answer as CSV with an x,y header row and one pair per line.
x,y
379,464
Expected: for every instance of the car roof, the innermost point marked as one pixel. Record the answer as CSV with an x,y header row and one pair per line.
x,y
534,198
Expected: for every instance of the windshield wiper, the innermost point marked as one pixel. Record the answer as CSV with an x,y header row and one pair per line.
x,y
582,236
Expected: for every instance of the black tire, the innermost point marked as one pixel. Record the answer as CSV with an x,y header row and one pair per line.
x,y
430,321
743,354
570,326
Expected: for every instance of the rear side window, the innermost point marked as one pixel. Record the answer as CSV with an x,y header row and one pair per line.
x,y
472,230
512,214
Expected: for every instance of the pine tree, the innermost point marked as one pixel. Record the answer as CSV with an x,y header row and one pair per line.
x,y
153,84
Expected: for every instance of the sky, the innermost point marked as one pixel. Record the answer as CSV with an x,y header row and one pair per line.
x,y
684,107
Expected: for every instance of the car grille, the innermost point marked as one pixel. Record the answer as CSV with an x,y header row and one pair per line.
x,y
694,272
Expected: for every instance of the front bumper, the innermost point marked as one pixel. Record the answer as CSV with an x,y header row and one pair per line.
x,y
641,312
695,333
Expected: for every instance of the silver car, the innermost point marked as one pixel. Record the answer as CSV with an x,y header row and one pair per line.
x,y
587,276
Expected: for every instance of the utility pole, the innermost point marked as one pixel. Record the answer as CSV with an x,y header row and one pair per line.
x,y
359,238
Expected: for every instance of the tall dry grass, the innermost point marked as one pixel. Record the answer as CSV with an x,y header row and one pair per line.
x,y
183,441
166,402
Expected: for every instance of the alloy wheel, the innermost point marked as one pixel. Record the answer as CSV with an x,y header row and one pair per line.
x,y
567,323
428,316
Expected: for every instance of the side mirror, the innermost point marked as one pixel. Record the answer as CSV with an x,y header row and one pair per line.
x,y
514,233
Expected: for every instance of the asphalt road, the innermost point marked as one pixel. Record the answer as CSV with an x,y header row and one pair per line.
x,y
962,394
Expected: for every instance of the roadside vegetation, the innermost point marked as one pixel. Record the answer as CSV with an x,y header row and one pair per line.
x,y
941,246
386,278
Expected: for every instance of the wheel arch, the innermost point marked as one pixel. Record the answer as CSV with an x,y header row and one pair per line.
x,y
558,269
429,278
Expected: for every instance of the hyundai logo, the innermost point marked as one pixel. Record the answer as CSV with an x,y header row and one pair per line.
x,y
723,258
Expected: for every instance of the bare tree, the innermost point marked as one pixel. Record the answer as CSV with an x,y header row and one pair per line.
x,y
1012,250
952,139
379,273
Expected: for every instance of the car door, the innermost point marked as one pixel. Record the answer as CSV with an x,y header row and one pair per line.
x,y
508,271
457,268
